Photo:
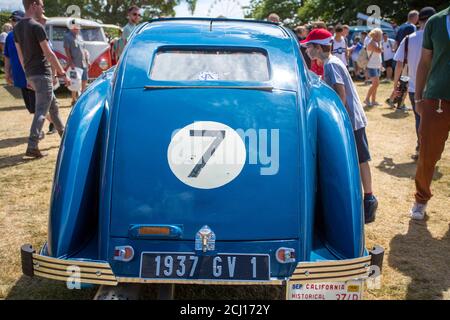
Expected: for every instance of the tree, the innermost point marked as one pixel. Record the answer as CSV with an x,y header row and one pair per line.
x,y
338,11
4,17
114,11
286,9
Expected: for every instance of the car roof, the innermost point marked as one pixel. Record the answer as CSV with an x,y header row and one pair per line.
x,y
63,21
216,25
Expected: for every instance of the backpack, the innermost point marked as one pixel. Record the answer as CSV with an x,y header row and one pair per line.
x,y
363,58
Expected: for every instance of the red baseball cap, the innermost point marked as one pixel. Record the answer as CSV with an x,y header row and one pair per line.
x,y
318,36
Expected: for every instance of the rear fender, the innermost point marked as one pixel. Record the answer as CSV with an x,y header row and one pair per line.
x,y
74,203
339,216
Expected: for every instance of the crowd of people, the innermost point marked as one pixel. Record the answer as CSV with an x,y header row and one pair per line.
x,y
417,61
31,65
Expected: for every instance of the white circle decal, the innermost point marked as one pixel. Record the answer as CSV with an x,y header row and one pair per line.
x,y
206,155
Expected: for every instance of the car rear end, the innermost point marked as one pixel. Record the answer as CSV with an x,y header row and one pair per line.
x,y
208,176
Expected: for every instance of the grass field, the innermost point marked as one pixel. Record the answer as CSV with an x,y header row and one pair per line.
x,y
417,257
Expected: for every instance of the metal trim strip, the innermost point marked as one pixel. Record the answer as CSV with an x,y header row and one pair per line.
x,y
67,274
83,269
215,282
328,276
322,269
333,263
71,262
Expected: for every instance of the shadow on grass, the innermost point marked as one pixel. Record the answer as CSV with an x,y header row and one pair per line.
x,y
19,159
422,258
403,170
396,115
22,107
13,108
12,142
13,91
36,288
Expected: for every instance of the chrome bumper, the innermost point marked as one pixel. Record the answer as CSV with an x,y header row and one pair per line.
x,y
101,273
66,270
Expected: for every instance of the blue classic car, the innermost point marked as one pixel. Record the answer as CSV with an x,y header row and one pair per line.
x,y
209,155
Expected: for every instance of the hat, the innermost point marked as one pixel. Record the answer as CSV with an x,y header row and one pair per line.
x,y
17,15
426,12
318,36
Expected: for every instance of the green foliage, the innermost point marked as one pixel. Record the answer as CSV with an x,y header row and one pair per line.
x,y
286,9
114,11
4,17
338,11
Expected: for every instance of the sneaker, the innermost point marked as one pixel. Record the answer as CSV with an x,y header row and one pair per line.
x,y
403,108
51,129
368,103
390,103
418,211
376,104
41,135
35,153
370,209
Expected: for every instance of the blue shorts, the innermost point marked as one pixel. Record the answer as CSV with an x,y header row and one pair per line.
x,y
373,73
362,145
84,76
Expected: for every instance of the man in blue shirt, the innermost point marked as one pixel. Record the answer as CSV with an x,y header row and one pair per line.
x,y
408,27
13,69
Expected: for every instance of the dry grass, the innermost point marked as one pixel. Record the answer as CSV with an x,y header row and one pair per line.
x,y
417,255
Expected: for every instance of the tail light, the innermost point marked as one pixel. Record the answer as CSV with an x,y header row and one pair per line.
x,y
103,64
285,255
123,253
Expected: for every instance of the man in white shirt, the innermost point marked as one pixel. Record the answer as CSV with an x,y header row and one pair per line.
x,y
414,42
388,55
339,45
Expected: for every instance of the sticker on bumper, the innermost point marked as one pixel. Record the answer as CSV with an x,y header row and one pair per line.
x,y
351,290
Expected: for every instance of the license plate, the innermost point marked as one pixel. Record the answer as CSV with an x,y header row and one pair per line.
x,y
350,290
225,267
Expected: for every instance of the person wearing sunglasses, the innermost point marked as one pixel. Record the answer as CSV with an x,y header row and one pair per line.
x,y
134,18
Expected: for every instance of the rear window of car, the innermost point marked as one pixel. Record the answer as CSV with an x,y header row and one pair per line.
x,y
210,65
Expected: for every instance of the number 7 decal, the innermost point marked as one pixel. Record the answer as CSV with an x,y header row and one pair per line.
x,y
219,136
223,144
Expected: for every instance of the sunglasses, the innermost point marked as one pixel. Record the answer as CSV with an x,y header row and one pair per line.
x,y
137,14
39,5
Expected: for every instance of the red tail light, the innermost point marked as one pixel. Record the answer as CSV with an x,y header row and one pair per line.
x,y
124,253
285,255
101,64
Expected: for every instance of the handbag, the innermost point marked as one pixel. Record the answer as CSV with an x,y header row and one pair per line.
x,y
363,58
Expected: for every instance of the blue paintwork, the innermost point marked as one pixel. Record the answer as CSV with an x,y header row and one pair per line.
x,y
112,172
